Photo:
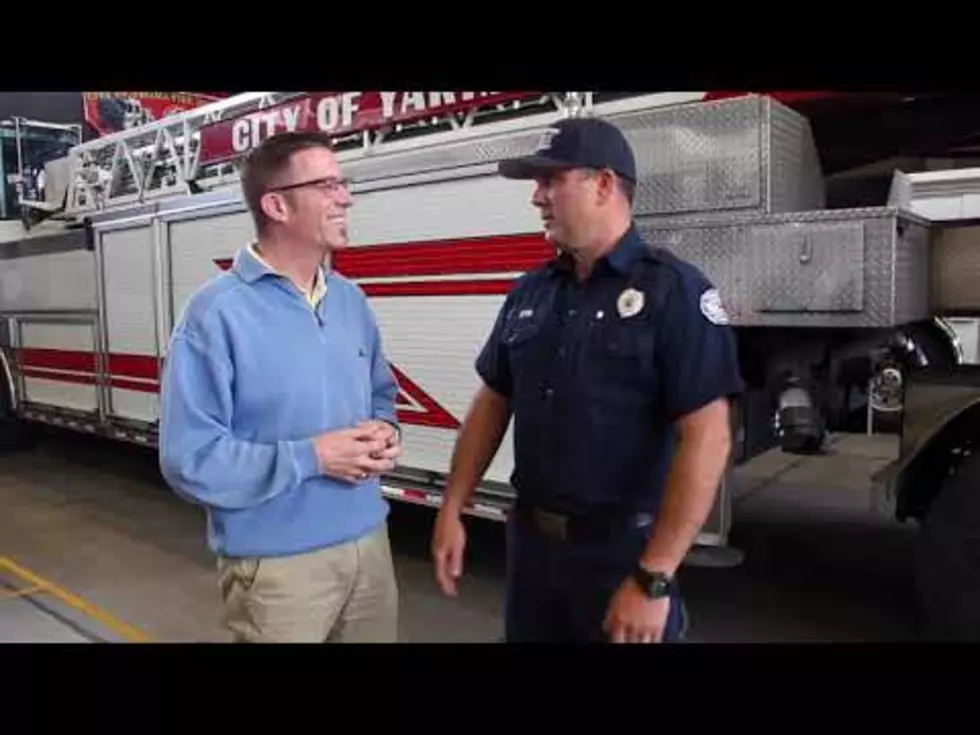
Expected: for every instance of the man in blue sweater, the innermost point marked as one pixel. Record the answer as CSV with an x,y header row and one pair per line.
x,y
278,415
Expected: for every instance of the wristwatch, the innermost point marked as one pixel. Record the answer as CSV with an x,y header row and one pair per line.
x,y
654,584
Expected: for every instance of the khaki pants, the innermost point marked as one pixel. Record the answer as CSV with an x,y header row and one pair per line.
x,y
345,593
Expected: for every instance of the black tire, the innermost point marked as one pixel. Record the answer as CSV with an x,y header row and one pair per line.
x,y
14,433
947,559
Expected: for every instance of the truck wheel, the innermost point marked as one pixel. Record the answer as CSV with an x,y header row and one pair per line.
x,y
947,558
14,433
17,435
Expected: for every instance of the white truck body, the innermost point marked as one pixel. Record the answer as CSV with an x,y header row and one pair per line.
x,y
438,239
732,184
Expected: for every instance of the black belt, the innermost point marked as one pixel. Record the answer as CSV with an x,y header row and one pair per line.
x,y
601,525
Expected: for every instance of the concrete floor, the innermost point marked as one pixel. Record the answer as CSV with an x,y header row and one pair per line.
x,y
824,561
95,519
25,621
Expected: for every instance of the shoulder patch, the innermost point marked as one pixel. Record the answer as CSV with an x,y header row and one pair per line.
x,y
712,307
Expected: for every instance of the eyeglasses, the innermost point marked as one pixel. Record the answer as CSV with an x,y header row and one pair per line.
x,y
328,184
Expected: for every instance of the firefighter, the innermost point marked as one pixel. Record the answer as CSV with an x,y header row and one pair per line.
x,y
617,363
278,415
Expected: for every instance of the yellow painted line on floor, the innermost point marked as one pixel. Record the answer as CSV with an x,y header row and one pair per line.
x,y
20,593
126,630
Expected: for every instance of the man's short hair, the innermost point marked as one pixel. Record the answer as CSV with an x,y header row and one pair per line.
x,y
264,167
628,188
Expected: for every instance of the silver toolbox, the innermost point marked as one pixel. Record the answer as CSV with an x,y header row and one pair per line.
x,y
749,154
829,268
741,154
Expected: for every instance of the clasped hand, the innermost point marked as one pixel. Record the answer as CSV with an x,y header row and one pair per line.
x,y
353,455
632,617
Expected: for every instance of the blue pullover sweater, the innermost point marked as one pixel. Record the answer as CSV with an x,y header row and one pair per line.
x,y
253,373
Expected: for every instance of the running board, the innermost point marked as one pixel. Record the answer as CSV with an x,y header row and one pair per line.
x,y
88,423
490,509
710,548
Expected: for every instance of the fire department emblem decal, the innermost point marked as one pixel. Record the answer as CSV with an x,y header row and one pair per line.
x,y
712,307
629,303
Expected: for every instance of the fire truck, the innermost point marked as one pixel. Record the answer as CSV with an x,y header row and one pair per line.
x,y
854,299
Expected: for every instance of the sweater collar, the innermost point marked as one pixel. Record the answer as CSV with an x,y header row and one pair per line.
x,y
250,267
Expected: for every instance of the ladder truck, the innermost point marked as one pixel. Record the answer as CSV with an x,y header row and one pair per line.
x,y
838,308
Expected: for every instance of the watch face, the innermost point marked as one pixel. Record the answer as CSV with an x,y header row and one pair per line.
x,y
655,584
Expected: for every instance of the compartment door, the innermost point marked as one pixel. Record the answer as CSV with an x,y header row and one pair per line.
x,y
130,318
807,267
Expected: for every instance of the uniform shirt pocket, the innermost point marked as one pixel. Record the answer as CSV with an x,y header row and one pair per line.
x,y
621,358
526,347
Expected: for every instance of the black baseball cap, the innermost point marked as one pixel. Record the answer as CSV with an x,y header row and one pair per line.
x,y
576,142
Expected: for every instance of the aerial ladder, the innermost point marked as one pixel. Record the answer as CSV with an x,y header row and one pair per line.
x,y
178,155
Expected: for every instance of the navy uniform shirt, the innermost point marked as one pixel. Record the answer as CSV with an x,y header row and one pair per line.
x,y
597,372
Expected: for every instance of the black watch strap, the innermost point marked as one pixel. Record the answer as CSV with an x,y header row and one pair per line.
x,y
653,584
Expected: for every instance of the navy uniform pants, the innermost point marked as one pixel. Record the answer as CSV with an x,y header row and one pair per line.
x,y
560,582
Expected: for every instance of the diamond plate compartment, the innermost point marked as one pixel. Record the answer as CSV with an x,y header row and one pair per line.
x,y
741,154
446,157
829,268
747,153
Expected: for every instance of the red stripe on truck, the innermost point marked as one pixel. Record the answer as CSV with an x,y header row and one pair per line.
x,y
469,256
124,384
40,357
517,253
60,376
439,288
785,97
120,364
420,409
140,373
134,366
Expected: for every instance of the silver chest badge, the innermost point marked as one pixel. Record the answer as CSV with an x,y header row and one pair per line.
x,y
629,303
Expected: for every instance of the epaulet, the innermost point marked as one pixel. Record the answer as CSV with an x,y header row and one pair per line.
x,y
655,257
659,255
